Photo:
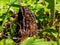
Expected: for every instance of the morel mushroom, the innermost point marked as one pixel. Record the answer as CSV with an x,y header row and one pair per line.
x,y
27,22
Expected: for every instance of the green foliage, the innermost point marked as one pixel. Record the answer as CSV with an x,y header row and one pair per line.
x,y
58,1
51,6
6,42
58,7
32,41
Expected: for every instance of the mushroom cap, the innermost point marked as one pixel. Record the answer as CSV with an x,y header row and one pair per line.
x,y
27,22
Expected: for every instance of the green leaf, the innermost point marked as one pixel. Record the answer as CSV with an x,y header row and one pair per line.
x,y
6,42
55,43
42,43
51,6
38,40
55,34
2,42
15,5
58,1
32,41
9,42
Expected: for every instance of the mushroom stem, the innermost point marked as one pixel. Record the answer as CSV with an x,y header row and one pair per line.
x,y
24,38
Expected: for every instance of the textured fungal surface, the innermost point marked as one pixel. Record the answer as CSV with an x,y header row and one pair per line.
x,y
26,20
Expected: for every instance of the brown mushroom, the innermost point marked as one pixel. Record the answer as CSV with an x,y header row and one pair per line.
x,y
27,22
